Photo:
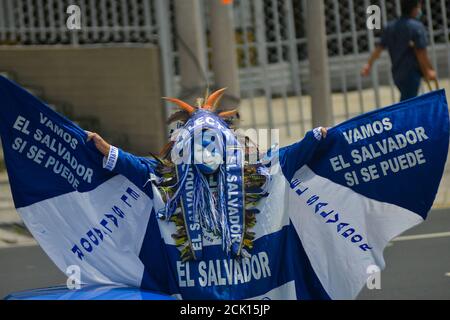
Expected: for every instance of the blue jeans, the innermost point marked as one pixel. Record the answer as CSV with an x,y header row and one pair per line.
x,y
409,88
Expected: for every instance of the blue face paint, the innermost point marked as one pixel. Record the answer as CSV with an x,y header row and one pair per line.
x,y
207,153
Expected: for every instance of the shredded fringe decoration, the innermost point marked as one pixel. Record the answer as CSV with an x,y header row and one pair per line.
x,y
256,179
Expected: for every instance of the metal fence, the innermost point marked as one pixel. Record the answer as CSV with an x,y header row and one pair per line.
x,y
280,35
271,49
273,63
31,22
270,36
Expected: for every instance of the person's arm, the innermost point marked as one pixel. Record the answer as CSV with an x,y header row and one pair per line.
x,y
373,57
420,43
295,156
426,67
136,169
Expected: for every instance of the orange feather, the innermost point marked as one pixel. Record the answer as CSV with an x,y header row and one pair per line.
x,y
229,114
183,105
213,99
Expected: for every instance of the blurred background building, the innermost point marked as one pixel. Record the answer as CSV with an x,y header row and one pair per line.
x,y
288,64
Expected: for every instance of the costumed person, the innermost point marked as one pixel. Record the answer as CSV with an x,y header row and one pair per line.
x,y
203,220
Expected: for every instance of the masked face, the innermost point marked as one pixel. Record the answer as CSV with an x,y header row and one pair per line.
x,y
207,153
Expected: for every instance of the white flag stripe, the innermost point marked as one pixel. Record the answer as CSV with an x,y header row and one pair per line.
x,y
333,255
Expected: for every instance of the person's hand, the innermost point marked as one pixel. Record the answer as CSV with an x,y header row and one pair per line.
x,y
100,144
430,74
324,132
365,71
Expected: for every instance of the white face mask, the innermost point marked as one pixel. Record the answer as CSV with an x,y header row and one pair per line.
x,y
207,155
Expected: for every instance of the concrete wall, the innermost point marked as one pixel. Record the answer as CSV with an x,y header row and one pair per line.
x,y
119,85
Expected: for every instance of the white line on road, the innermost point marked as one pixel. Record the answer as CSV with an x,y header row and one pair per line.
x,y
423,236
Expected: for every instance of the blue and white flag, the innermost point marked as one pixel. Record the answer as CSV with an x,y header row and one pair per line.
x,y
333,204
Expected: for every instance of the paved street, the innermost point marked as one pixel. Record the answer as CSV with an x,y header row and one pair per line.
x,y
418,265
